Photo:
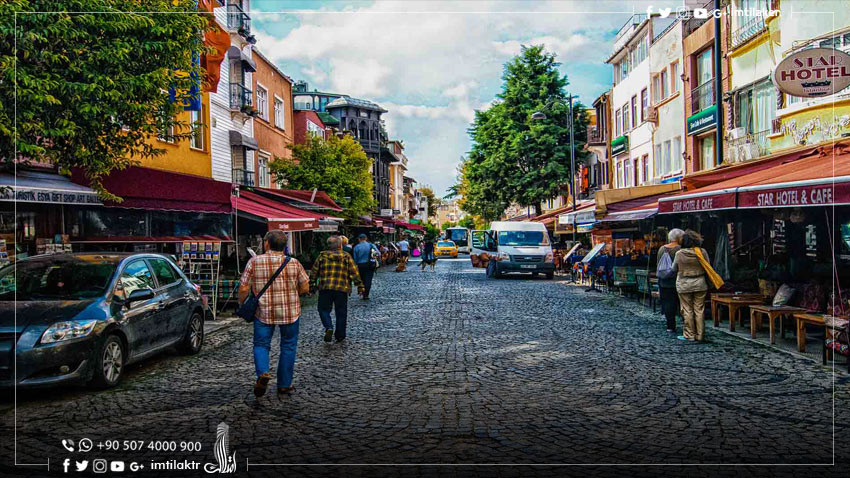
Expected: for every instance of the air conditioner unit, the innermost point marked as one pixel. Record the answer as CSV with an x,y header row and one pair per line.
x,y
652,114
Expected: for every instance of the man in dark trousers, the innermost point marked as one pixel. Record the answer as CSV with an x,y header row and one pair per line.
x,y
365,265
332,274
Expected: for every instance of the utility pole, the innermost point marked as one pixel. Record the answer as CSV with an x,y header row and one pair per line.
x,y
718,86
573,167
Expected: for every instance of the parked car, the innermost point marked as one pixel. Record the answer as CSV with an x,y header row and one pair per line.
x,y
82,318
445,249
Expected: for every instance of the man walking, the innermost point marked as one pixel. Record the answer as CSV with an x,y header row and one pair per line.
x,y
334,270
279,306
404,251
365,265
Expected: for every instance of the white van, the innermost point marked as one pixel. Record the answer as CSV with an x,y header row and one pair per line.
x,y
515,247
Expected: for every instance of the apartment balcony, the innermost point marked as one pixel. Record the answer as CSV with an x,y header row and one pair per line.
x,y
239,22
595,135
751,28
243,177
702,96
692,24
241,104
746,147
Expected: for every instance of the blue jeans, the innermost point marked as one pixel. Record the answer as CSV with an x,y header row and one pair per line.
x,y
334,300
288,344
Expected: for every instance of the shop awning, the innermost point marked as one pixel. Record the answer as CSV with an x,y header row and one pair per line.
x,y
309,199
239,139
154,189
156,239
412,227
278,216
584,214
636,214
45,188
821,179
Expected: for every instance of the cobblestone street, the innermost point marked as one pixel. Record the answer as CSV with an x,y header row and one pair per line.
x,y
451,367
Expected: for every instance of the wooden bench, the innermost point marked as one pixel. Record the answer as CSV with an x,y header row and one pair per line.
x,y
772,313
804,319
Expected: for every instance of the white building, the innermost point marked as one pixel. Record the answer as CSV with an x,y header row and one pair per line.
x,y
231,107
632,144
667,102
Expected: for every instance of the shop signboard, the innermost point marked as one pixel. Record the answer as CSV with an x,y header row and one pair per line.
x,y
702,121
796,195
619,145
293,225
813,72
47,196
328,227
715,200
386,212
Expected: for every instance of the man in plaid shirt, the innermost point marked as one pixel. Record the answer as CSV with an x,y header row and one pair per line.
x,y
279,306
335,270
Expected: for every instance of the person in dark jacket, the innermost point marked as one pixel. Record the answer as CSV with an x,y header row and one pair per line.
x,y
667,286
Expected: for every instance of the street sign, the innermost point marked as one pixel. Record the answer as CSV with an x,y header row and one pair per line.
x,y
386,212
813,72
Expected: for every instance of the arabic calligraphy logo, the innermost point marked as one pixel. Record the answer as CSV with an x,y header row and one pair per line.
x,y
226,463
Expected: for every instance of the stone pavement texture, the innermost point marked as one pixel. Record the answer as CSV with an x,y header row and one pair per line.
x,y
453,368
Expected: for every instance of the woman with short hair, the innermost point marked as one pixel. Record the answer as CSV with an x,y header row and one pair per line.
x,y
667,277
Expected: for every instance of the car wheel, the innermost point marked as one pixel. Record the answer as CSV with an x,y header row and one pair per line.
x,y
194,339
109,363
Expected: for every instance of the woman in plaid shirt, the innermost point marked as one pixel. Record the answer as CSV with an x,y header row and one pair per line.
x,y
280,306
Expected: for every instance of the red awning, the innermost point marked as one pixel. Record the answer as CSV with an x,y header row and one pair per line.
x,y
820,179
146,188
320,200
277,215
146,239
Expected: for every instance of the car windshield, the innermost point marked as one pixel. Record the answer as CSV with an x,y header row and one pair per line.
x,y
445,244
72,279
523,238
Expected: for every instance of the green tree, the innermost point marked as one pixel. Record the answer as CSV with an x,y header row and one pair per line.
x,y
433,201
467,222
91,89
447,225
338,166
517,159
431,231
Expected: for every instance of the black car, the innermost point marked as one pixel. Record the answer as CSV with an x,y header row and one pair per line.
x,y
81,318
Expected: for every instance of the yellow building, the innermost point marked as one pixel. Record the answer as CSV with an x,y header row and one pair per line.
x,y
188,156
763,120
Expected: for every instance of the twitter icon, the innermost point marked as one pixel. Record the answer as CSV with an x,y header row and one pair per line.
x,y
82,465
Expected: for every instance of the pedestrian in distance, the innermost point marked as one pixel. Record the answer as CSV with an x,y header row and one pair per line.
x,y
332,275
691,285
279,307
428,256
364,259
346,247
403,253
667,277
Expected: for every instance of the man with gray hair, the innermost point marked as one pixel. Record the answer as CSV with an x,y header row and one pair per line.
x,y
332,274
279,307
667,277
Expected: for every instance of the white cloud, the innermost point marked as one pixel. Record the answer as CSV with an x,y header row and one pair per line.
x,y
434,62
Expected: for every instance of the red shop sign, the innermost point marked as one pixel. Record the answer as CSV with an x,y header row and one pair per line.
x,y
289,226
708,202
796,196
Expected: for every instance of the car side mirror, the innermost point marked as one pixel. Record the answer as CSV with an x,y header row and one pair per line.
x,y
139,295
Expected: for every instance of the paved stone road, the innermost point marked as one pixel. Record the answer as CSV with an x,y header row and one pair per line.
x,y
450,367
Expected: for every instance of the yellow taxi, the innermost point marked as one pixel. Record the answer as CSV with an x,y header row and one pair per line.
x,y
445,249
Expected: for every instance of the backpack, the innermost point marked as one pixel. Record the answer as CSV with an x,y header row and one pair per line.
x,y
665,266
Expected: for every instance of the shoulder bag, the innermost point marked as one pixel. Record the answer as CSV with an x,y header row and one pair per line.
x,y
248,309
713,277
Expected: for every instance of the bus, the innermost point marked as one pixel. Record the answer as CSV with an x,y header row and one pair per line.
x,y
460,236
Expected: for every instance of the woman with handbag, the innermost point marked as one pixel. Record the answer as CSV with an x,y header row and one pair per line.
x,y
693,276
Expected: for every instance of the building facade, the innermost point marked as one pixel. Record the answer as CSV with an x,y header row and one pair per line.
x,y
273,124
599,139
232,143
666,104
398,167
362,119
312,100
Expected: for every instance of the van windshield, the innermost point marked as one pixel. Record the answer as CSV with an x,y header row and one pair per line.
x,y
523,238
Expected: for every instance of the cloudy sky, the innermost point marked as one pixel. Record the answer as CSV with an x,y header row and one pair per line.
x,y
433,63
